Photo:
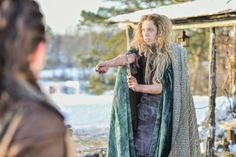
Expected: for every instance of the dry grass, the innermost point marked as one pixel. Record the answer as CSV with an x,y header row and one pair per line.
x,y
94,145
226,154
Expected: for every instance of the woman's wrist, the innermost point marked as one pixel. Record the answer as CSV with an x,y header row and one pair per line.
x,y
137,88
151,89
107,64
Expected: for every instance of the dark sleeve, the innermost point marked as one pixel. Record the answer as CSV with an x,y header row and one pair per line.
x,y
40,134
134,65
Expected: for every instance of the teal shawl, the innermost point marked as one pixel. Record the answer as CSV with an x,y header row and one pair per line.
x,y
121,141
178,118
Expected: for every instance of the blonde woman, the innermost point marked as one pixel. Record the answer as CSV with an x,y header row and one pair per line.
x,y
147,120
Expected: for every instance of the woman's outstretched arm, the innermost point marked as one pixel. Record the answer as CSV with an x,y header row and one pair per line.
x,y
120,60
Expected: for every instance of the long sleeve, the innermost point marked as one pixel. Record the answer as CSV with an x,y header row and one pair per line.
x,y
40,134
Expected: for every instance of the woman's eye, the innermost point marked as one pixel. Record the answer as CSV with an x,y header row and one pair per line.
x,y
150,30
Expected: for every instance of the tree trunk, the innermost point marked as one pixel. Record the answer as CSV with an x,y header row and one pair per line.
x,y
212,92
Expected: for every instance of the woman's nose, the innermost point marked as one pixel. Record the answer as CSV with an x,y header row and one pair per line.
x,y
146,34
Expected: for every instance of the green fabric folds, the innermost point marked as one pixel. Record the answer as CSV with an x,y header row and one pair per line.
x,y
121,140
161,142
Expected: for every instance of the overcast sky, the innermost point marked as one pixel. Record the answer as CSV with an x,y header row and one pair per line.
x,y
63,15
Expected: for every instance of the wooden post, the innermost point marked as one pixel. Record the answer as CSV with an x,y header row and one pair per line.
x,y
233,68
212,93
229,134
129,35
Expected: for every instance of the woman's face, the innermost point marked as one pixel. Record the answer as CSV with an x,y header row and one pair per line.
x,y
37,58
149,31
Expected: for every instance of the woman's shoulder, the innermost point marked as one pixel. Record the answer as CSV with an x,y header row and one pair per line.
x,y
177,49
41,131
132,50
39,119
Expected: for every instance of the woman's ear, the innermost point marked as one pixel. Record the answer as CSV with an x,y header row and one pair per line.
x,y
37,58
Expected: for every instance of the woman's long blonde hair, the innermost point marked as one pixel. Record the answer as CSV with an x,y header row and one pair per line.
x,y
158,55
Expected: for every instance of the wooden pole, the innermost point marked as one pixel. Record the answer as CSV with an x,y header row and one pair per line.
x,y
129,35
233,68
212,92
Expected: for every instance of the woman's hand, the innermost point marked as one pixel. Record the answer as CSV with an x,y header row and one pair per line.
x,y
155,88
101,68
132,83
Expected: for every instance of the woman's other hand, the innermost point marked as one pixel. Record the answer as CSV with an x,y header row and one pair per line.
x,y
155,88
132,82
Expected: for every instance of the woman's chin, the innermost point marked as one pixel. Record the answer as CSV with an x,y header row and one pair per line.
x,y
149,43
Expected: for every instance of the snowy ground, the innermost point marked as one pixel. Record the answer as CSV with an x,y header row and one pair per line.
x,y
87,113
223,113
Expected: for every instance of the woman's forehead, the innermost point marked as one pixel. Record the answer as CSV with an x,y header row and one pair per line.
x,y
148,23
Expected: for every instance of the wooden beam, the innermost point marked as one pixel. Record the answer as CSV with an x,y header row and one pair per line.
x,y
205,24
212,95
228,125
199,24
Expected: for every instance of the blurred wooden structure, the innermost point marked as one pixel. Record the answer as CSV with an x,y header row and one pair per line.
x,y
230,127
207,14
192,14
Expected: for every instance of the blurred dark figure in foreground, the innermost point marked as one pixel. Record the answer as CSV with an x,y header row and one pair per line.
x,y
29,125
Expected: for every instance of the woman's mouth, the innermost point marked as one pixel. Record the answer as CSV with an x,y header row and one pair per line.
x,y
147,40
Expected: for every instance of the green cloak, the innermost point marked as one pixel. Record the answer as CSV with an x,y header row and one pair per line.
x,y
178,115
